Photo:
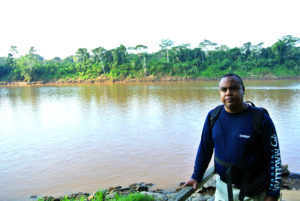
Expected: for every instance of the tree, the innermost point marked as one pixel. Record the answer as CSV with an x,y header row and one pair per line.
x,y
222,48
57,59
69,59
10,57
28,63
141,51
32,50
205,46
119,55
247,49
257,50
181,52
98,55
165,44
291,41
82,54
283,48
279,50
13,50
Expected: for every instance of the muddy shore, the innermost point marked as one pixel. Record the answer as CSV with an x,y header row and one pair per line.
x,y
108,80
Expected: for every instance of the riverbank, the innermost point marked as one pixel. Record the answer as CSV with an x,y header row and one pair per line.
x,y
205,193
290,187
108,80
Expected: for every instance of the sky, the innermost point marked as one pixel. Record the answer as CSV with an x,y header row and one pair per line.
x,y
60,27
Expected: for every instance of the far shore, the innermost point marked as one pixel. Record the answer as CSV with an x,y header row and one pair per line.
x,y
108,80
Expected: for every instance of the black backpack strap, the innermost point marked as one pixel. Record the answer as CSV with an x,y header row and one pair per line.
x,y
244,184
214,115
250,103
258,117
223,163
228,175
229,183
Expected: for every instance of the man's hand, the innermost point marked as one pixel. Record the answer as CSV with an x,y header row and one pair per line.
x,y
270,198
191,182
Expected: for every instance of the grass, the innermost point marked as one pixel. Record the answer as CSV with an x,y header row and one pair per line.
x,y
133,197
100,196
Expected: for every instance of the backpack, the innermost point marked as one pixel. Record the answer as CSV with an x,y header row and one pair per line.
x,y
246,188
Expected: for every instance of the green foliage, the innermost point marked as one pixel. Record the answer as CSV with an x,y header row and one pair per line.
x,y
285,72
133,197
166,44
100,196
208,60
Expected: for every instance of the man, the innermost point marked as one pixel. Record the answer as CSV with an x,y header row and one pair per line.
x,y
247,159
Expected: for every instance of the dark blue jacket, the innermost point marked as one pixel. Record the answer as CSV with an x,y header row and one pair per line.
x,y
230,135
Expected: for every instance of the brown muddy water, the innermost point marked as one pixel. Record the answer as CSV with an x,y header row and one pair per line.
x,y
56,140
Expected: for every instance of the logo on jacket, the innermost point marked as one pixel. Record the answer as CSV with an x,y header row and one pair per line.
x,y
274,141
244,136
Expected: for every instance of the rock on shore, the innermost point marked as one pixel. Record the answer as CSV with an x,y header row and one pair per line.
x,y
206,193
290,181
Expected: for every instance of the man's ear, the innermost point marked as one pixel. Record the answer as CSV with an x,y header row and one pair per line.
x,y
243,89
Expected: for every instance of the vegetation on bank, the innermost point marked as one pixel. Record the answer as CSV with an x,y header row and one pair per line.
x,y
208,60
100,196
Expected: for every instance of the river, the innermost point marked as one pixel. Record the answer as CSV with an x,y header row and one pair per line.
x,y
56,140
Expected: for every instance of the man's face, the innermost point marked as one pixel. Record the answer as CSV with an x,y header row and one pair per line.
x,y
231,93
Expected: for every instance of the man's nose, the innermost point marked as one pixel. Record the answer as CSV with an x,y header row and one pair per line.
x,y
228,91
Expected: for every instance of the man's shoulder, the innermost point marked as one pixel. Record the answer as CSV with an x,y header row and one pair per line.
x,y
260,112
259,109
217,108
214,113
261,117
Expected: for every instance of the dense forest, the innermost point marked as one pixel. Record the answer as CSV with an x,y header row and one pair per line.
x,y
208,60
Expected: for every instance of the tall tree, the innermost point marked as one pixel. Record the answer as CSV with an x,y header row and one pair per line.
x,y
247,49
98,55
222,48
141,52
28,64
82,55
13,50
257,50
119,55
166,44
205,46
283,48
182,52
32,50
10,57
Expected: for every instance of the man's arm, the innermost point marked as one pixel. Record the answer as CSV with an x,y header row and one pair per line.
x,y
204,155
273,159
